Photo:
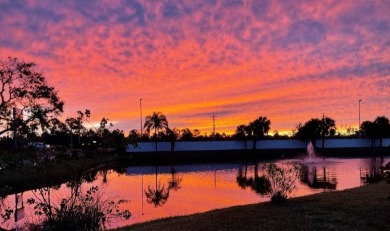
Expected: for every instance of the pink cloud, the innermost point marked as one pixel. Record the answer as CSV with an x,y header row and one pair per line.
x,y
185,58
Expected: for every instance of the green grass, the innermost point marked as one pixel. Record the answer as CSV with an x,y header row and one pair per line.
x,y
364,208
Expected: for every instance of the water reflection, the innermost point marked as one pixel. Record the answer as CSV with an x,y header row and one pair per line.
x,y
318,178
260,184
241,178
158,195
373,173
175,181
194,188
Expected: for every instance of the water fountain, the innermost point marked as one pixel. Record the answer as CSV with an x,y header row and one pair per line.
x,y
311,155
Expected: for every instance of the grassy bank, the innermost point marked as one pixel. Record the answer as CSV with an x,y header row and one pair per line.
x,y
364,208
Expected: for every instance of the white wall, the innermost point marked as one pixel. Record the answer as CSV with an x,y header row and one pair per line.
x,y
240,145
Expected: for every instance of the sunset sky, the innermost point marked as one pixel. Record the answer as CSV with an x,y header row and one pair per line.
x,y
237,59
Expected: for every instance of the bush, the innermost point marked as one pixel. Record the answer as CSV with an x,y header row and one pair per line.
x,y
79,212
282,179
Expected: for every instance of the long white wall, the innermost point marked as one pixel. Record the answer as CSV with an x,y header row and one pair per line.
x,y
240,145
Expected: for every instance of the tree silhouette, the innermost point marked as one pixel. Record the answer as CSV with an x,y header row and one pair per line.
x,y
315,129
156,121
186,135
310,131
382,128
172,135
27,102
378,129
260,128
241,133
368,130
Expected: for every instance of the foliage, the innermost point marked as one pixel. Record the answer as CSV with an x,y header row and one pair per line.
x,y
27,102
315,129
256,130
377,129
156,121
282,180
186,134
89,211
78,211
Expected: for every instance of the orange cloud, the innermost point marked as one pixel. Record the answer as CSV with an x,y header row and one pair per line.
x,y
191,59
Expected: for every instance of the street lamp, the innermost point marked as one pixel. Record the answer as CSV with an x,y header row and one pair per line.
x,y
140,109
359,116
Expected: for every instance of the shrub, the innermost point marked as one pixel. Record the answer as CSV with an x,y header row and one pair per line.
x,y
282,179
89,211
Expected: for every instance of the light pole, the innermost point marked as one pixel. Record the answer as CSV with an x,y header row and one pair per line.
x,y
214,125
140,109
359,116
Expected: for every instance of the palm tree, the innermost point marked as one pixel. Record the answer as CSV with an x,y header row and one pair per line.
x,y
157,121
260,128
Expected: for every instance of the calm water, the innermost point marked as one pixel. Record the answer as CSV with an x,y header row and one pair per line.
x,y
198,188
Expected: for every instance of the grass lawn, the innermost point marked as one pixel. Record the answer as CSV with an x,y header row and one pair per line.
x,y
363,208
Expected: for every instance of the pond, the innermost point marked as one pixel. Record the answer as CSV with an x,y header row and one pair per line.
x,y
188,189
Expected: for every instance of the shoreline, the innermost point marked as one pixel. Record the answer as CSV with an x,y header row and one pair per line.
x,y
16,182
364,207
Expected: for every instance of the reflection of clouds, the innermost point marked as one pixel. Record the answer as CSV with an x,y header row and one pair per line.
x,y
241,57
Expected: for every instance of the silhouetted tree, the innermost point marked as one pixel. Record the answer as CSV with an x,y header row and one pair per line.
x,y
311,131
27,102
172,135
378,129
196,133
133,137
382,128
186,134
367,129
241,133
260,128
156,121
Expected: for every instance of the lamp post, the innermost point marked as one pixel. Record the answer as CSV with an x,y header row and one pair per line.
x,y
359,116
140,109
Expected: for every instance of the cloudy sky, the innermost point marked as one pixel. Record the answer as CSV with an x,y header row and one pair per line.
x,y
190,59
